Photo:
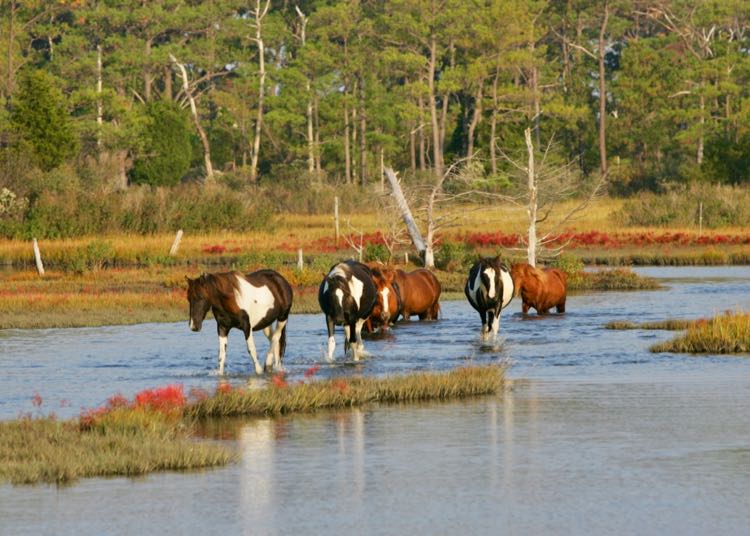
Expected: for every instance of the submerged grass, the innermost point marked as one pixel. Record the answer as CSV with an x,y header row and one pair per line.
x,y
280,398
728,333
154,431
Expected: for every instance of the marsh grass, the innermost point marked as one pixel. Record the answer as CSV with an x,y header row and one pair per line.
x,y
728,333
154,431
614,279
280,398
671,324
48,450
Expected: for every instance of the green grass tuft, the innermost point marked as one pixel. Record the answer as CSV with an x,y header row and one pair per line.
x,y
725,334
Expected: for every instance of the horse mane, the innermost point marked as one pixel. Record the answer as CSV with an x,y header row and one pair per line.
x,y
219,285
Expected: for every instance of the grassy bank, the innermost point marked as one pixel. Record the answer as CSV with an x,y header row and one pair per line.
x,y
156,294
155,431
725,334
669,325
338,393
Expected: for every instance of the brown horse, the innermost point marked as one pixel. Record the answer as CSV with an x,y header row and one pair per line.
x,y
404,294
388,303
540,289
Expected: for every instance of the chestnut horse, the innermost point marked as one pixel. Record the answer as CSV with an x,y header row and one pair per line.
x,y
540,289
249,302
489,289
404,294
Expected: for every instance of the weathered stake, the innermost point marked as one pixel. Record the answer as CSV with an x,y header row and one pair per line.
x,y
300,261
176,243
38,258
700,219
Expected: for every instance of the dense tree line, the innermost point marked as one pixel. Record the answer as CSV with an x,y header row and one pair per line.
x,y
646,92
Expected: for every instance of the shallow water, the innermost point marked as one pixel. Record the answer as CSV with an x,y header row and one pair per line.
x,y
598,435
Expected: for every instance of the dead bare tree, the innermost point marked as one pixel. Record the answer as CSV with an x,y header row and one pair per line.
x,y
438,207
196,119
258,14
546,187
349,238
393,232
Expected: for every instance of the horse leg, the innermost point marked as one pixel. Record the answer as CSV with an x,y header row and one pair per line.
x,y
276,344
347,336
359,345
496,324
491,325
483,317
331,339
268,332
251,348
223,332
561,307
525,307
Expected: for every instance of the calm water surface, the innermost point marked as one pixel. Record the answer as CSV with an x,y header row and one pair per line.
x,y
597,435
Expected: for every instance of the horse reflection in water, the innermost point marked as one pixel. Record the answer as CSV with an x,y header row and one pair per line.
x,y
251,302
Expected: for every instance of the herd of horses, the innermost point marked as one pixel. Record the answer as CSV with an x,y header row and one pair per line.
x,y
361,296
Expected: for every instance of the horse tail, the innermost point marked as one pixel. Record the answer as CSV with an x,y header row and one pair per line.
x,y
282,342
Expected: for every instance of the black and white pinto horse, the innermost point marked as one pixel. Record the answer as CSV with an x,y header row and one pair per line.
x,y
346,296
250,302
489,290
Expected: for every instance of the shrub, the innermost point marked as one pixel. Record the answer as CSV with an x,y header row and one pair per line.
x,y
376,252
39,115
168,151
454,256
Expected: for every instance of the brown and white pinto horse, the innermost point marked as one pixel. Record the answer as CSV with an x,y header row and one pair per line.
x,y
249,302
540,289
404,294
489,289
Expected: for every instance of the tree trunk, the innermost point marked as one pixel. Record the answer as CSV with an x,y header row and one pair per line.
x,y
148,79
10,81
168,94
347,147
701,122
261,87
99,104
354,133
310,136
420,136
532,193
413,150
493,125
475,119
403,207
316,125
603,94
362,139
436,141
196,120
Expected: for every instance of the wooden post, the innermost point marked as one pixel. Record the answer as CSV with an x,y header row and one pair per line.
x,y
700,219
406,257
176,243
382,170
336,217
300,261
38,258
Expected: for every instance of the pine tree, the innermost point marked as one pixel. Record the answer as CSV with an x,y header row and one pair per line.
x,y
42,121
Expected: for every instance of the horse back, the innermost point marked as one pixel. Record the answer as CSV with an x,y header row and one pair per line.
x,y
420,289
